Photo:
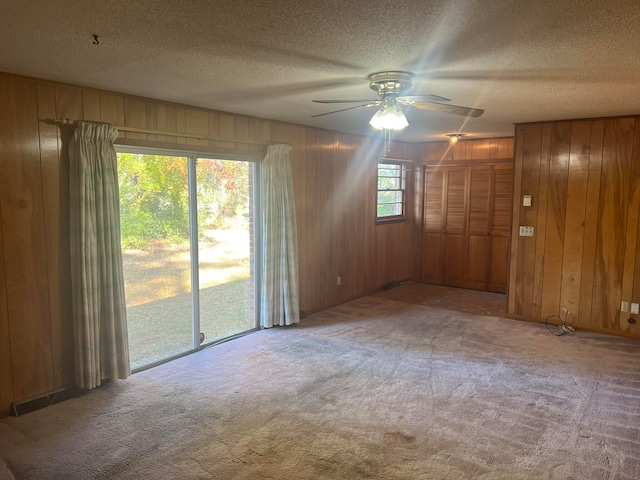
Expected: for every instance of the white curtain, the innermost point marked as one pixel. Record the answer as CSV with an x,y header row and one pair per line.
x,y
279,299
97,280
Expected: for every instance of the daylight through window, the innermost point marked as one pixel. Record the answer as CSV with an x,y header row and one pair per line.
x,y
391,190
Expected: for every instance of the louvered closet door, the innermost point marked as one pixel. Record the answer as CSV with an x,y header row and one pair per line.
x,y
478,234
467,224
454,270
501,227
432,237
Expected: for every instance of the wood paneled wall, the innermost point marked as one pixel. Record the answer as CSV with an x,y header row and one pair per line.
x,y
335,187
584,177
468,152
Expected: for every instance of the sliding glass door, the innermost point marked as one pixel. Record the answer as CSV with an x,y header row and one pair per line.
x,y
188,250
225,247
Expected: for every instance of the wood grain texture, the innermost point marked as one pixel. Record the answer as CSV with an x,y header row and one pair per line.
x,y
60,103
432,239
514,290
197,123
454,260
459,205
418,212
394,240
480,187
478,257
500,219
505,148
310,258
478,254
6,370
340,215
21,203
555,218
90,105
324,198
585,258
532,144
499,264
468,152
112,108
574,223
456,217
135,115
181,127
635,294
481,149
612,218
479,213
456,200
631,242
334,182
502,200
591,222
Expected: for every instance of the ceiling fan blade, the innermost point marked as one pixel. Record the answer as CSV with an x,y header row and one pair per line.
x,y
370,104
454,109
410,99
344,101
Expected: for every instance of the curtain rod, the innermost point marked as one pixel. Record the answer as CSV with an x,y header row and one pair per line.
x,y
67,122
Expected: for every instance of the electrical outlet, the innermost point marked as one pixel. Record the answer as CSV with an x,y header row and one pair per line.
x,y
634,308
526,231
624,307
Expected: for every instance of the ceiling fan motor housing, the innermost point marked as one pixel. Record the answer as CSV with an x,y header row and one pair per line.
x,y
390,83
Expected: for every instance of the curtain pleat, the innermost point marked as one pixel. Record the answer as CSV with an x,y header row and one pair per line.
x,y
97,280
279,299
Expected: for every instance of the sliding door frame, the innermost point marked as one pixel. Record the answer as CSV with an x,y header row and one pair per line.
x,y
192,158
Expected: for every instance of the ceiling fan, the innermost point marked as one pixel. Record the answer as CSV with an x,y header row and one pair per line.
x,y
390,86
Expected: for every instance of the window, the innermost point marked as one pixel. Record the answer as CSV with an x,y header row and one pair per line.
x,y
189,251
391,190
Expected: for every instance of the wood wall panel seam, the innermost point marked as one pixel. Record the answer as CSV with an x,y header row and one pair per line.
x,y
514,257
556,218
591,222
575,217
631,230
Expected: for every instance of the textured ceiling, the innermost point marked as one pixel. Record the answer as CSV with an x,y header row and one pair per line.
x,y
520,61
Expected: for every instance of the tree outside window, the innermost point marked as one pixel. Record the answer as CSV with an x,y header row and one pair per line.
x,y
391,196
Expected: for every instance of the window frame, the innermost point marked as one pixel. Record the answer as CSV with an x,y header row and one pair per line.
x,y
402,163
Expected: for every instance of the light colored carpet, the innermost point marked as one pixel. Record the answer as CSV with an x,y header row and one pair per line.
x,y
373,389
450,298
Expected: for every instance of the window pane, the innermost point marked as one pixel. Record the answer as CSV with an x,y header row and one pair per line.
x,y
386,183
154,218
389,209
391,196
388,173
225,247
389,169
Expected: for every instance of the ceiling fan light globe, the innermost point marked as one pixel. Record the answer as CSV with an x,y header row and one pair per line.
x,y
389,119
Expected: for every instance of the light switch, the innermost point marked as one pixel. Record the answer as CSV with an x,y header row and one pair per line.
x,y
634,308
526,231
624,307
526,200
